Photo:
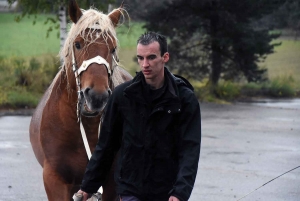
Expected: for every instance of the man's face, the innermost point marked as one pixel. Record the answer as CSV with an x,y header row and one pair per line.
x,y
151,62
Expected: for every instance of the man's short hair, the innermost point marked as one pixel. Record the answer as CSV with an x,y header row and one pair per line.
x,y
150,37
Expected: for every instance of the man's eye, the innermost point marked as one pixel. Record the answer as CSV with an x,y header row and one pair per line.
x,y
152,57
139,58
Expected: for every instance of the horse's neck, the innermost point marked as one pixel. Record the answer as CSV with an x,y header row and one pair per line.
x,y
120,76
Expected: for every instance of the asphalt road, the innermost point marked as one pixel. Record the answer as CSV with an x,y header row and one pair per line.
x,y
243,147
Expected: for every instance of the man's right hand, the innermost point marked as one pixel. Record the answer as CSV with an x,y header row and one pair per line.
x,y
84,195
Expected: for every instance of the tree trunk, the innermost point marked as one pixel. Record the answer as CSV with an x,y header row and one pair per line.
x,y
110,8
216,57
63,26
216,65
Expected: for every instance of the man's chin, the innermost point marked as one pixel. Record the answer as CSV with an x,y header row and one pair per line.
x,y
147,76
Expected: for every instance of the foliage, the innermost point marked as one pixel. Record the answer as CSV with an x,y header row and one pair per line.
x,y
214,37
279,87
286,17
227,90
21,98
3,96
35,7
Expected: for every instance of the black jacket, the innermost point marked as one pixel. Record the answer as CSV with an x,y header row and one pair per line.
x,y
159,141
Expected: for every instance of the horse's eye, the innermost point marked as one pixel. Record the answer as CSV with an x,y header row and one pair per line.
x,y
113,51
77,45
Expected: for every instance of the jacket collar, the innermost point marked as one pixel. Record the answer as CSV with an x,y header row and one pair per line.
x,y
135,89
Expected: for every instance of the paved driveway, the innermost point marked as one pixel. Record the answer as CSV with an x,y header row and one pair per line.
x,y
243,147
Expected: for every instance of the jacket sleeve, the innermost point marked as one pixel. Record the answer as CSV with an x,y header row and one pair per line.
x,y
106,148
189,143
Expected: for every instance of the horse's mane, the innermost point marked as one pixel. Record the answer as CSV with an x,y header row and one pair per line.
x,y
90,18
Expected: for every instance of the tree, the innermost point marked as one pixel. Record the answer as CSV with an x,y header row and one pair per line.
x,y
214,37
287,16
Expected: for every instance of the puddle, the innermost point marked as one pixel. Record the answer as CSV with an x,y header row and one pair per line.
x,y
279,103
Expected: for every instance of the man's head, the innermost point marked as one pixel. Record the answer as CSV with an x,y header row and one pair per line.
x,y
152,55
150,37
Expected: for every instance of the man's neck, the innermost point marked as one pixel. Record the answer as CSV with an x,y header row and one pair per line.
x,y
156,84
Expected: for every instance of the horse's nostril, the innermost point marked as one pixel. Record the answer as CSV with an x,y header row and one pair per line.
x,y
86,91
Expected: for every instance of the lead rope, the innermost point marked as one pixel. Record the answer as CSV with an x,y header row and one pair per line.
x,y
83,134
268,182
85,141
77,197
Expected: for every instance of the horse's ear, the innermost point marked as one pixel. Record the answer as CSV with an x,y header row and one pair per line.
x,y
74,11
115,15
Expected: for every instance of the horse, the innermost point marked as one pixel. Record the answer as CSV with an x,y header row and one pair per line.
x,y
78,93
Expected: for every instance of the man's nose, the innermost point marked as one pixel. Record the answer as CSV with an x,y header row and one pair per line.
x,y
145,63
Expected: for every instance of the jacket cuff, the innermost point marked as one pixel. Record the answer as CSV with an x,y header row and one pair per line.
x,y
173,193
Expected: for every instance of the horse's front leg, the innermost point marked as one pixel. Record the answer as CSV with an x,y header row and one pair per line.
x,y
56,188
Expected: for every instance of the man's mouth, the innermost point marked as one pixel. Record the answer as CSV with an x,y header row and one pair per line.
x,y
146,72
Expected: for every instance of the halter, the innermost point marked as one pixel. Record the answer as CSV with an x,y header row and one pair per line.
x,y
84,66
77,71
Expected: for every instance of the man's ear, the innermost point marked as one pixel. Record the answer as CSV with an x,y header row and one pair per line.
x,y
166,57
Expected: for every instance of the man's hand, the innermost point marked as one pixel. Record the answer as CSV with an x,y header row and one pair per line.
x,y
172,198
84,195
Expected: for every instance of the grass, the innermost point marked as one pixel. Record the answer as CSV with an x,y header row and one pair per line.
x,y
128,37
24,39
285,62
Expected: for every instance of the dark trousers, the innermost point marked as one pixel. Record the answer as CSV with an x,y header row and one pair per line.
x,y
128,198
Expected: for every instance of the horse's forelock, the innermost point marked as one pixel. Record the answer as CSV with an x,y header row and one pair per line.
x,y
88,21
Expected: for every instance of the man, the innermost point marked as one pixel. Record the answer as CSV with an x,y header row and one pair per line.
x,y
154,121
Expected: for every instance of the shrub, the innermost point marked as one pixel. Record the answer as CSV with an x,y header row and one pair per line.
x,y
200,88
21,98
252,89
3,96
281,87
227,90
22,83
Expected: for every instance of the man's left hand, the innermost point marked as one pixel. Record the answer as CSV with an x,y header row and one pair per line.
x,y
172,198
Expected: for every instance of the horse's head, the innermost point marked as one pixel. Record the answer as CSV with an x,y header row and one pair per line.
x,y
90,54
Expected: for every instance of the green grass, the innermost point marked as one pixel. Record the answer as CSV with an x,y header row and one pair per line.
x,y
24,39
128,37
285,62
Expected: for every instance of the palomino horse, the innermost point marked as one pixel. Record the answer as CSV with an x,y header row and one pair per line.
x,y
54,129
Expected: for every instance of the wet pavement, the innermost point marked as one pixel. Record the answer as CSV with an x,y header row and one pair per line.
x,y
244,145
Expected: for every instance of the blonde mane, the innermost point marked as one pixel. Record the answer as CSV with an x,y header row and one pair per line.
x,y
90,18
